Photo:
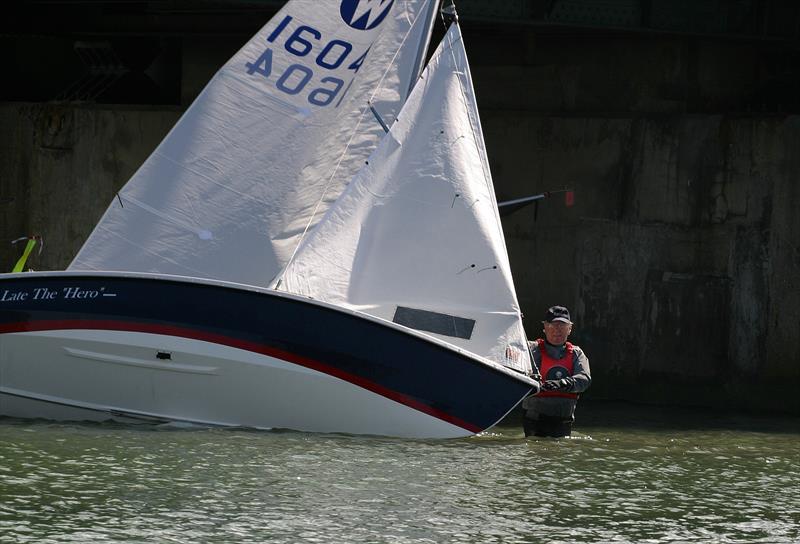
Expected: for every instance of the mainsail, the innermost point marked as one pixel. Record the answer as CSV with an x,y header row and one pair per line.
x,y
268,145
416,237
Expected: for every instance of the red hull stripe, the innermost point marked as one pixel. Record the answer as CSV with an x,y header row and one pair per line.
x,y
170,330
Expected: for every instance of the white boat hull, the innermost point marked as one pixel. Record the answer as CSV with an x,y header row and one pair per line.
x,y
101,375
245,358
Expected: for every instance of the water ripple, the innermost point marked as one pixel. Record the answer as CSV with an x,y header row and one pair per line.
x,y
106,483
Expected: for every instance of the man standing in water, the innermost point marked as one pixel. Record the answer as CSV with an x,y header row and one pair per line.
x,y
565,374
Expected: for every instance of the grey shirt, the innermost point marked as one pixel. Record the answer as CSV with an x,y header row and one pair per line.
x,y
559,406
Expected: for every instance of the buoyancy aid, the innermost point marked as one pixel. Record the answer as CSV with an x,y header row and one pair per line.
x,y
555,369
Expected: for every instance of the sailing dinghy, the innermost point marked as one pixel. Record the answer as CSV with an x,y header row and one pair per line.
x,y
281,262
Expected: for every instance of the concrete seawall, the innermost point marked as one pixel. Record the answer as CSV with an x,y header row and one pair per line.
x,y
679,257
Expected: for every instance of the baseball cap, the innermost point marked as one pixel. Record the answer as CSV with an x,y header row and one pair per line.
x,y
557,313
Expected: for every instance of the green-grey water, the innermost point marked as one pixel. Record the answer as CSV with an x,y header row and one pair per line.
x,y
628,475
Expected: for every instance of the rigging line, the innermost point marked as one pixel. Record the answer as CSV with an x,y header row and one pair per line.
x,y
278,277
450,12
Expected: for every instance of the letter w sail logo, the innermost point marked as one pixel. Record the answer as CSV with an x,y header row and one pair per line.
x,y
365,14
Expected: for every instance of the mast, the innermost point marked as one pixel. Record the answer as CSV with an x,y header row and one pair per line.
x,y
422,50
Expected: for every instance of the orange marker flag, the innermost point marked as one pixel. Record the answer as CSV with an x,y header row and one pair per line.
x,y
569,199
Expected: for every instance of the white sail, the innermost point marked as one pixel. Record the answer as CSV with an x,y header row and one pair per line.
x,y
416,237
267,146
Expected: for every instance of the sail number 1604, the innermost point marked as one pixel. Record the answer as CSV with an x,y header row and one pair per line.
x,y
295,79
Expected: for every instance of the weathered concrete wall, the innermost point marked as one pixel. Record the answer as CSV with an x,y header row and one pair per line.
x,y
15,136
679,259
61,166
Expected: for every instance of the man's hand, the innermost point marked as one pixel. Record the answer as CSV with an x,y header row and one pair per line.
x,y
564,384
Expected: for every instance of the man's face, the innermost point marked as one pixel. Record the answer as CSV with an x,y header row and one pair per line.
x,y
556,332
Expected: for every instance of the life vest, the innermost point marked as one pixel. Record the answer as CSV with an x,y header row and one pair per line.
x,y
555,369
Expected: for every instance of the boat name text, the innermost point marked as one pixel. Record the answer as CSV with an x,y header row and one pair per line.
x,y
46,293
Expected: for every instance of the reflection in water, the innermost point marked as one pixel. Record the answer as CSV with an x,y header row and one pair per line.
x,y
654,478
